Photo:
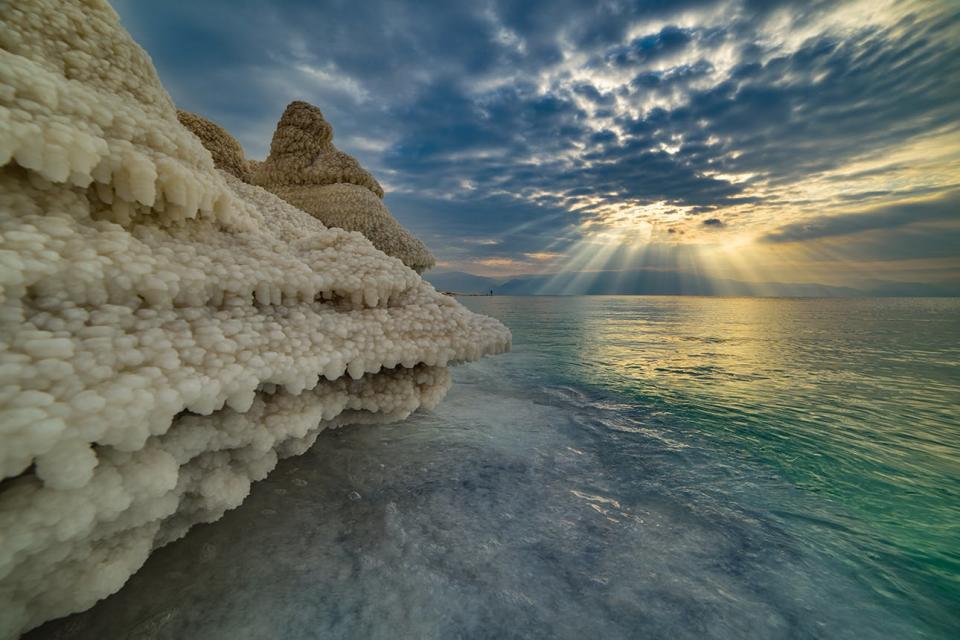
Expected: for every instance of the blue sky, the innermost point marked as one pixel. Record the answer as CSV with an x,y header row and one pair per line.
x,y
806,141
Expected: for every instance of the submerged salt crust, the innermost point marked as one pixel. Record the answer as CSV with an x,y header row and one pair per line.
x,y
166,330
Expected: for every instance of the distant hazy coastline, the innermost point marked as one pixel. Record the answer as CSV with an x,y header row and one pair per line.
x,y
657,282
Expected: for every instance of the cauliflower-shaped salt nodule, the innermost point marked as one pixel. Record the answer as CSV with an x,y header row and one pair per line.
x,y
226,151
166,330
308,171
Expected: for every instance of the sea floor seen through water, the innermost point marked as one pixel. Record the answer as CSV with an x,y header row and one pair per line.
x,y
638,467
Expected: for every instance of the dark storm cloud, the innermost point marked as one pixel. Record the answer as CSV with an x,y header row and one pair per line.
x,y
673,77
945,208
483,117
830,101
591,93
650,47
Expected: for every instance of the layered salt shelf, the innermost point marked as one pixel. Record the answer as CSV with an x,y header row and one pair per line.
x,y
168,331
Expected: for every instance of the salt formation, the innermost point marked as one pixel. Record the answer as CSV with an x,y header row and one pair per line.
x,y
308,171
166,330
226,151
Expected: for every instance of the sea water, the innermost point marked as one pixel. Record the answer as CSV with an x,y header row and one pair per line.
x,y
638,467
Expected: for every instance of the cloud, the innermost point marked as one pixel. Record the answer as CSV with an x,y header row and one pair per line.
x,y
945,208
639,51
526,122
672,77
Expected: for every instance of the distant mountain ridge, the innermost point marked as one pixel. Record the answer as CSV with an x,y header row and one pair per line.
x,y
658,282
461,282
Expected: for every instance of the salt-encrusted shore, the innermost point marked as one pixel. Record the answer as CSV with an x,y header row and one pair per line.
x,y
167,330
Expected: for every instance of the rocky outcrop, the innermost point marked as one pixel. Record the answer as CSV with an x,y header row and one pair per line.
x,y
302,153
226,151
308,171
167,331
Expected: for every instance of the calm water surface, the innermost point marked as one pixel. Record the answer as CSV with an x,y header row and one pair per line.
x,y
850,408
637,467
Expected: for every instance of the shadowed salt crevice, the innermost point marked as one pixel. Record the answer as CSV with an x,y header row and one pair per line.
x,y
139,282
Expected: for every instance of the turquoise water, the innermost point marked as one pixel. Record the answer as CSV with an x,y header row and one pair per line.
x,y
637,467
849,410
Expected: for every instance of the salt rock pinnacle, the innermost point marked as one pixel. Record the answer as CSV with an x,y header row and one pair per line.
x,y
308,171
302,153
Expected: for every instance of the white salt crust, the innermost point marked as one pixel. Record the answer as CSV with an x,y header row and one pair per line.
x,y
65,549
348,206
139,283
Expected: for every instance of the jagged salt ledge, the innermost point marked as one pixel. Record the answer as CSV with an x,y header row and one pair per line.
x,y
137,283
82,106
139,500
